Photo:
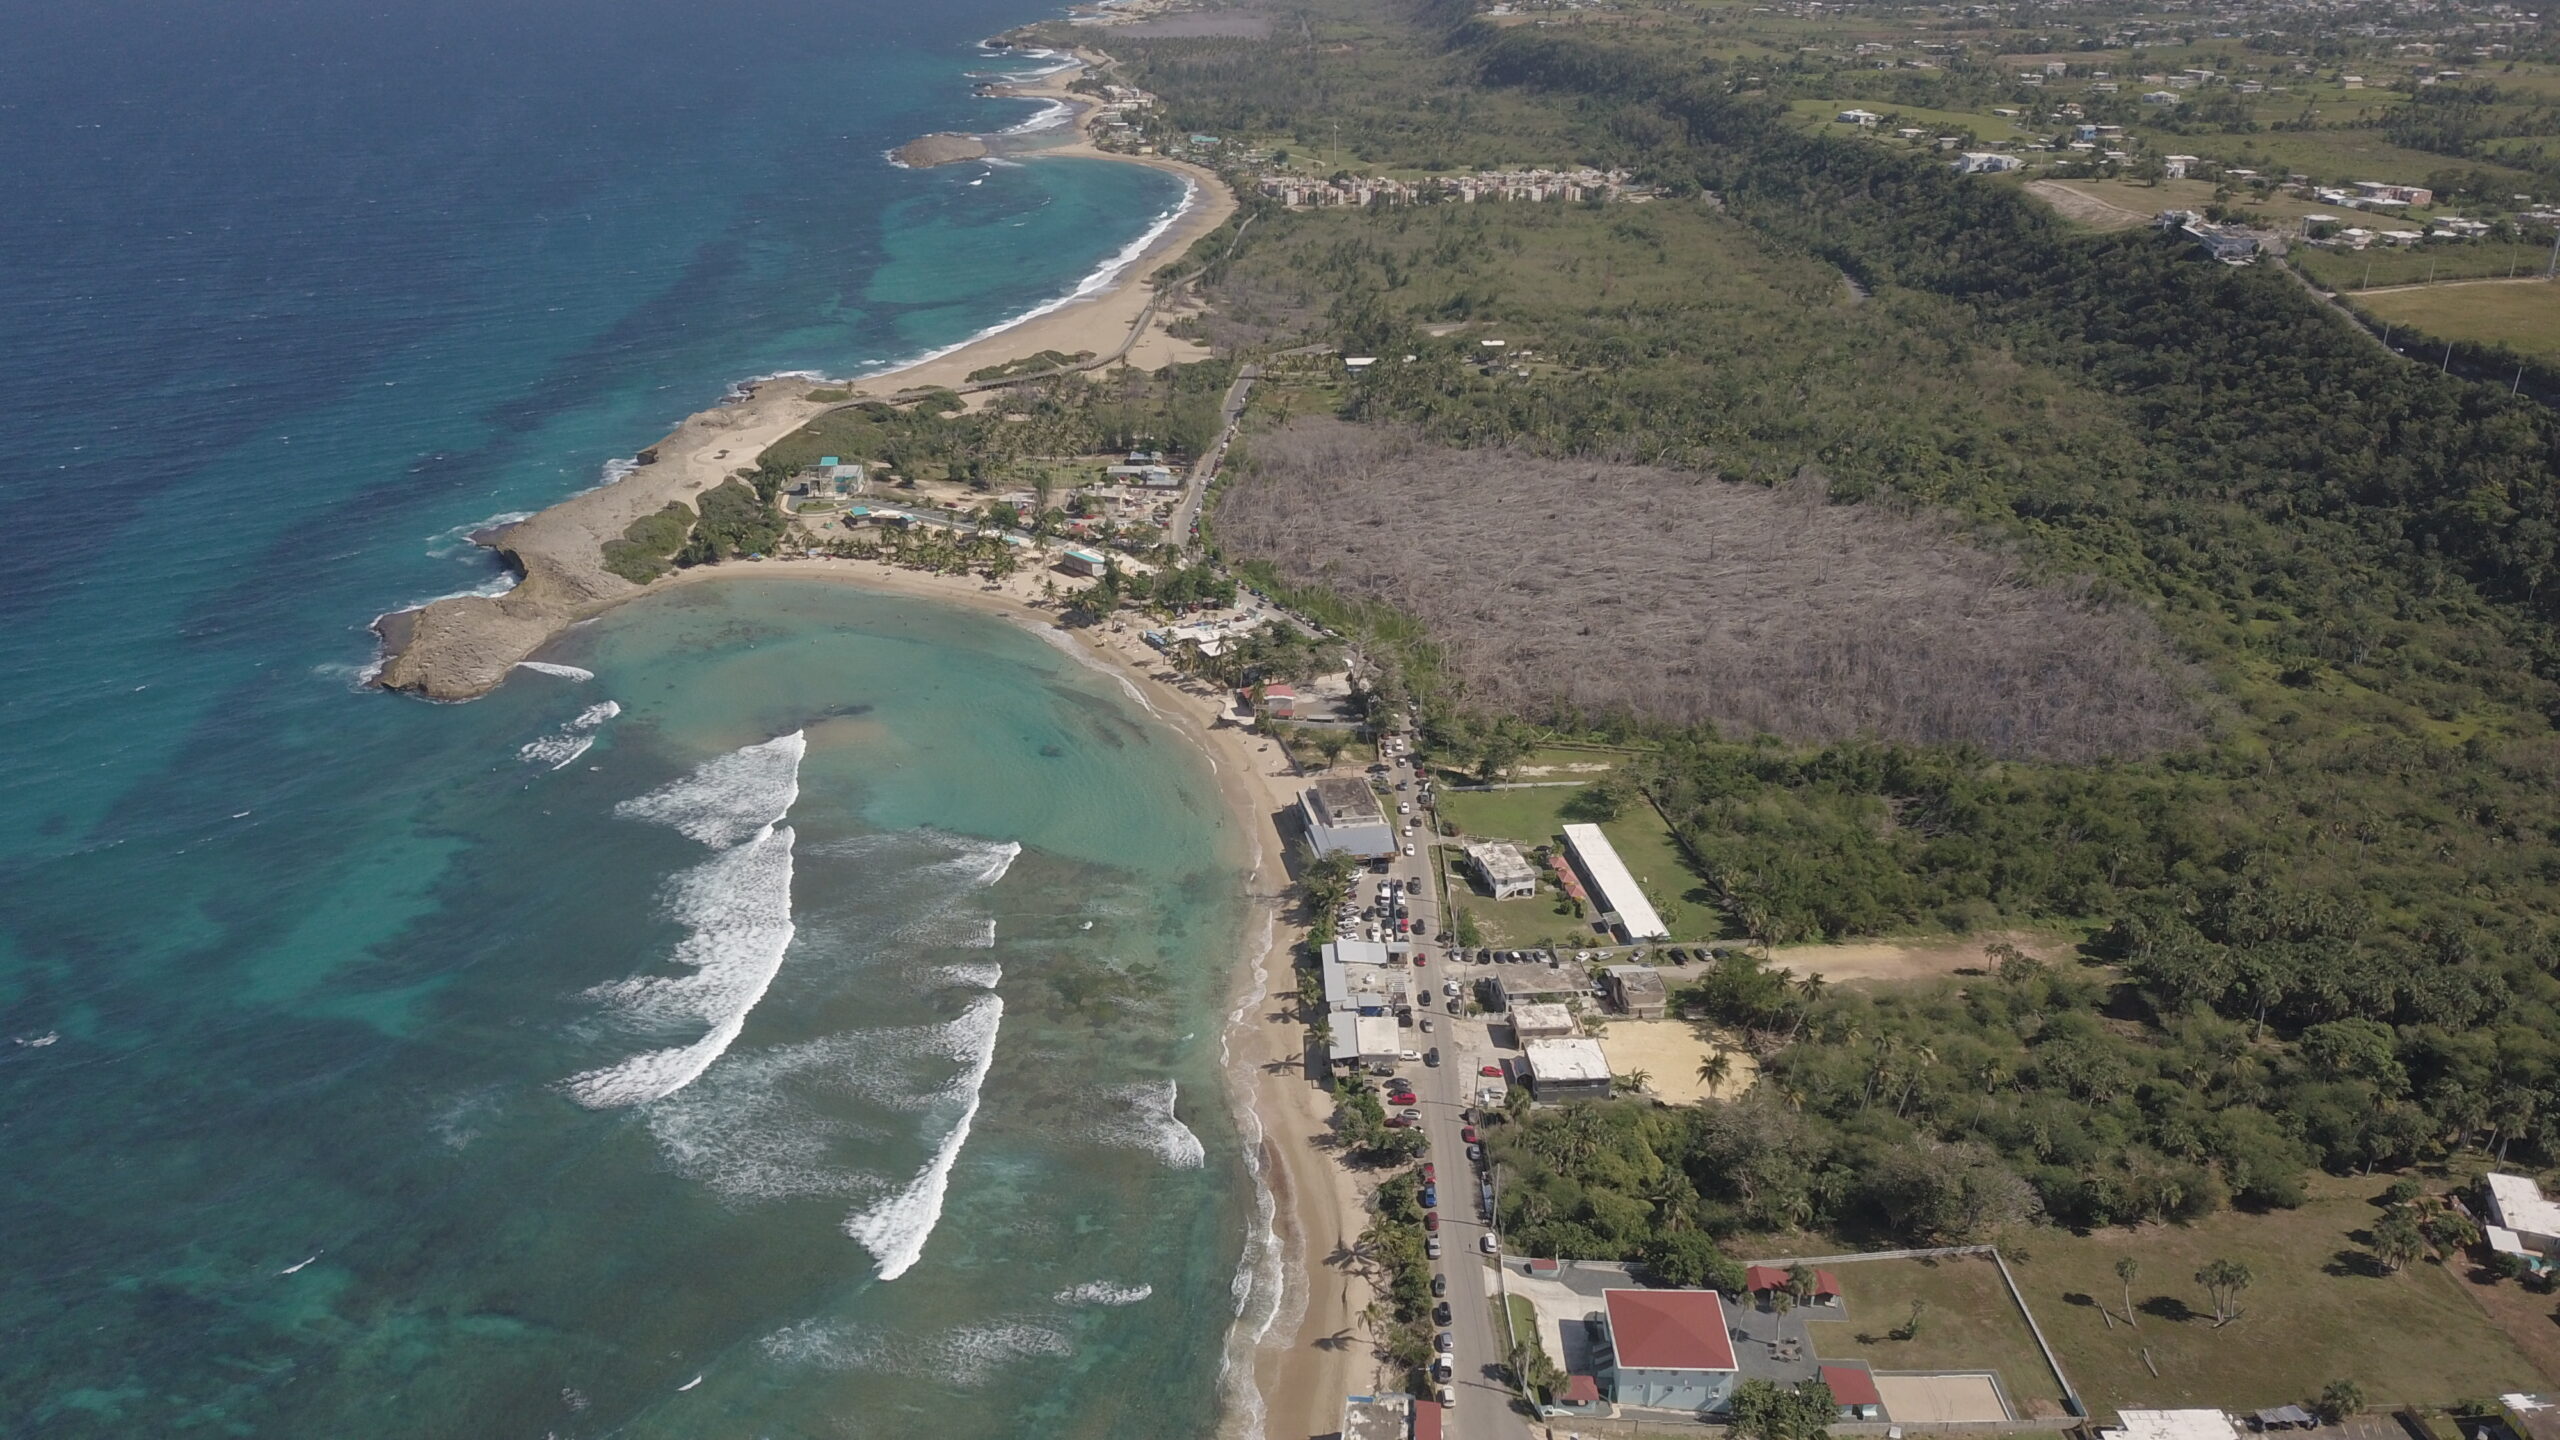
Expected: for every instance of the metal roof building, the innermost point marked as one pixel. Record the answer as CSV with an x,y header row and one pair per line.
x,y
1615,885
1567,1069
1669,1349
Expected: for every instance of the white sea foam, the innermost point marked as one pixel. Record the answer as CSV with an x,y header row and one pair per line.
x,y
760,1128
966,1355
896,1229
1048,117
572,738
730,798
458,539
1145,1121
1266,1303
736,910
736,907
977,975
571,673
1103,1292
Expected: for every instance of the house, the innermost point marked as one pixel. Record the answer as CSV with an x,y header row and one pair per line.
x,y
1637,991
1506,874
1543,1020
2161,97
1863,118
1540,984
1343,816
1667,1349
1984,162
1152,476
1380,1417
2517,1204
1365,996
2175,167
1621,899
2373,190
1280,700
1082,562
1566,1069
1853,1389
1580,1396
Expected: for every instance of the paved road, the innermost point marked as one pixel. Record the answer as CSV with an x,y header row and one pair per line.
x,y
1483,1402
1187,512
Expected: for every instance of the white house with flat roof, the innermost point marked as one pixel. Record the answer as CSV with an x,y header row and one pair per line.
x,y
1541,1022
1364,989
2518,1204
1613,884
1567,1069
1506,872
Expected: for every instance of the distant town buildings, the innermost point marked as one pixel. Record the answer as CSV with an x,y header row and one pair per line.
x,y
1585,184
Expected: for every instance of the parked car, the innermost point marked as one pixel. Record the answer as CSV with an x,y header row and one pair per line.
x,y
1431,1057
1448,1398
1431,1221
1439,1284
1398,1122
1476,1153
1425,1022
1445,1343
1430,1196
1413,1055
1468,1134
1449,988
1440,1369
1440,1313
1493,1071
1412,1114
1431,1246
1430,1173
1491,1243
1403,807
1408,850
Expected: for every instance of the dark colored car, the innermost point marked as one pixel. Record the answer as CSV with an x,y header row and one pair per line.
x,y
1440,1313
1431,1221
1430,1196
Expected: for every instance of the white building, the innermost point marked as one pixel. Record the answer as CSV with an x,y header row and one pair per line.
x,y
2518,1204
1612,884
1985,162
2172,1425
1364,993
1343,816
1507,874
1858,117
1567,1069
1540,1022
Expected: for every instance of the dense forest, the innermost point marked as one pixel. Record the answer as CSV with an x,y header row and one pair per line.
x,y
2321,934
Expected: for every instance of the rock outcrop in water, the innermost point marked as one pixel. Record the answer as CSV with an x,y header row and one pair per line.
x,y
926,151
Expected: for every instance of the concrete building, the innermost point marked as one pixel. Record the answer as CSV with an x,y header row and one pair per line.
x,y
1541,984
1507,874
1637,991
2172,1425
2518,1204
1567,1069
1082,562
1668,1349
1612,884
1541,1022
1366,994
1343,816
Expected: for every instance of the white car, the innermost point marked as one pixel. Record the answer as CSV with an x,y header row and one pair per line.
x,y
1404,807
1426,1020
1431,1246
1448,1398
1492,1245
1413,1055
1408,850
1449,988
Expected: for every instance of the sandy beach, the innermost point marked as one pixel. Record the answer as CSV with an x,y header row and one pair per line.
x,y
1315,1351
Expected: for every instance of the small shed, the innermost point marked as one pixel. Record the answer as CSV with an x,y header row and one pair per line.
x,y
1853,1389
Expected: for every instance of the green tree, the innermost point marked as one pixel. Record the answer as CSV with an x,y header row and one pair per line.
x,y
2397,1238
1764,1410
2338,1400
1716,1069
2223,1280
1691,1260
2126,1269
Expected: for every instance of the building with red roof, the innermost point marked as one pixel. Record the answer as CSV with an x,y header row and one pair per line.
x,y
1763,1279
1854,1388
1669,1349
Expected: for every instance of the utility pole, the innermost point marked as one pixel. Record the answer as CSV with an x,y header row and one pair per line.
x,y
2554,267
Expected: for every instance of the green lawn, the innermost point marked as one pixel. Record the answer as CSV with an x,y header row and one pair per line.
x,y
2314,1313
2419,264
1970,1323
1537,816
1936,122
2526,317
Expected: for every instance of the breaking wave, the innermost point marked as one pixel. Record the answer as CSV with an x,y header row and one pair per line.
x,y
1146,1122
570,673
736,911
572,738
1103,1292
966,1355
896,1229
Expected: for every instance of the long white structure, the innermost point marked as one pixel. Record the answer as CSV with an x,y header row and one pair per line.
x,y
1618,892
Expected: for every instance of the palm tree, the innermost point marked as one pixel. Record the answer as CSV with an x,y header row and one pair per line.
x,y
1716,1069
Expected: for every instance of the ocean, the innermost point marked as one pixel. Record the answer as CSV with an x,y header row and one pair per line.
x,y
785,1011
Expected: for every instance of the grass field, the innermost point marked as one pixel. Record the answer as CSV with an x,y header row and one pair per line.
x,y
1537,816
1970,1324
2316,1311
2526,317
1936,122
2419,265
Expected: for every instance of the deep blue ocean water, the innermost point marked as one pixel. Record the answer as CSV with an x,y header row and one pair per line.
x,y
301,985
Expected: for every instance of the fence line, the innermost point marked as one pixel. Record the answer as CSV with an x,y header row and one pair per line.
x,y
2070,1397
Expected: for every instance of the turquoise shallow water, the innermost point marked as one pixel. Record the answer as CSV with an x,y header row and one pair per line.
x,y
1011,907
301,985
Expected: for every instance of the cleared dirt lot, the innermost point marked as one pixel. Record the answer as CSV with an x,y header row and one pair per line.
x,y
1941,1399
1670,1052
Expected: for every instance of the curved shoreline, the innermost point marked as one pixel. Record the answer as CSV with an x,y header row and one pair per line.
x,y
461,647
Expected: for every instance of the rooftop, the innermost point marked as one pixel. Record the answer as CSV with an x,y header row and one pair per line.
x,y
1346,801
1566,1060
1544,1018
1501,861
2172,1425
2522,1205
1618,889
1669,1329
1639,980
1851,1384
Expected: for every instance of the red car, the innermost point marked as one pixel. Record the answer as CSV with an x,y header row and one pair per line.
x,y
1402,1097
1398,1122
1430,1173
1468,1134
1431,1221
1420,960
1492,1070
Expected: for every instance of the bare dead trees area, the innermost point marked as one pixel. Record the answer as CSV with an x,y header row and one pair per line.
x,y
1560,585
